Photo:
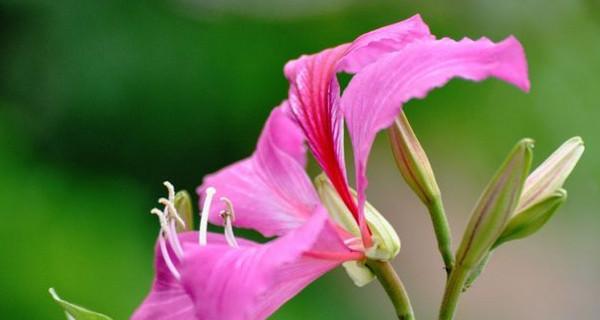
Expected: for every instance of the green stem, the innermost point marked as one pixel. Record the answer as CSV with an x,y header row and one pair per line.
x,y
454,287
393,287
442,232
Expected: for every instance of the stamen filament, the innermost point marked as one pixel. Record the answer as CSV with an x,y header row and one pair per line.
x,y
229,236
175,240
202,233
167,258
169,231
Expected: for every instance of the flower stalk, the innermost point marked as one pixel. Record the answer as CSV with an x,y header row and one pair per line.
x,y
413,164
454,287
394,288
442,233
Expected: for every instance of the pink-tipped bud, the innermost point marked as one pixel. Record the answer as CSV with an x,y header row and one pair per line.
x,y
412,160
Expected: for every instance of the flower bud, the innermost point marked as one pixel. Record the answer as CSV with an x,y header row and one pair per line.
x,y
533,218
550,176
412,160
183,204
495,206
386,243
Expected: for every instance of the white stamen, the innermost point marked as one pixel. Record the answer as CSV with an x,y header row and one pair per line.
x,y
172,210
202,234
162,219
175,241
168,229
167,258
228,216
171,190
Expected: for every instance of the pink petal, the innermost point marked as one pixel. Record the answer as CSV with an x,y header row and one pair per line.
x,y
250,283
167,298
375,95
373,45
270,190
313,99
314,92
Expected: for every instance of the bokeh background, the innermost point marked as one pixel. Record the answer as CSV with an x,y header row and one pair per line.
x,y
100,101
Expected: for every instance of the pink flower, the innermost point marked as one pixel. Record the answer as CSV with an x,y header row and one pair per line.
x,y
205,276
201,275
391,65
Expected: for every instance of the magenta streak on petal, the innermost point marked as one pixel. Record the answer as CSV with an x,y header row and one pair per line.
x,y
313,99
375,95
314,96
251,282
270,190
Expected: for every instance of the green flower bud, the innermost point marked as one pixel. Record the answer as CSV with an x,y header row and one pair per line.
x,y
550,176
412,160
533,218
183,204
495,206
335,206
386,243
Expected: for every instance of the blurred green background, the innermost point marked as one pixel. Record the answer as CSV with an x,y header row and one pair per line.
x,y
100,101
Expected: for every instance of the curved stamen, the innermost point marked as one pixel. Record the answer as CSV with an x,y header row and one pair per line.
x,y
168,229
172,210
162,219
202,233
166,257
171,190
228,216
174,239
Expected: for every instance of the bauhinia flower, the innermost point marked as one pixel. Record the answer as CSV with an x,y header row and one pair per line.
x,y
274,195
391,66
202,275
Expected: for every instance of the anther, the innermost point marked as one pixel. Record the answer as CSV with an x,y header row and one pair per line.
x,y
202,233
228,216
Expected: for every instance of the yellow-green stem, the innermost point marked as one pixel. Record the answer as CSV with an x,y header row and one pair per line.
x,y
454,287
394,288
442,232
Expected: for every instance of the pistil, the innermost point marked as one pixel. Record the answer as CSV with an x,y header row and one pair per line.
x,y
202,234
